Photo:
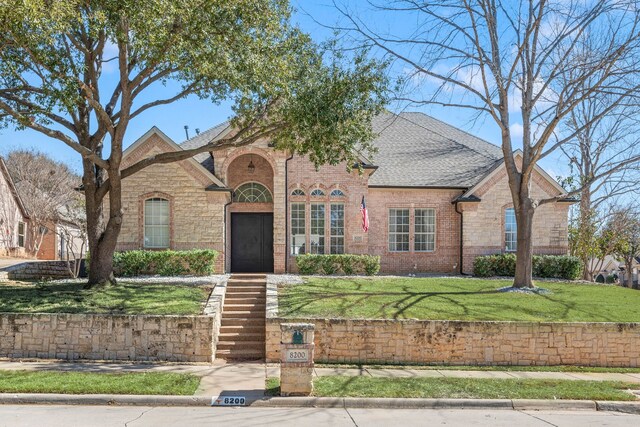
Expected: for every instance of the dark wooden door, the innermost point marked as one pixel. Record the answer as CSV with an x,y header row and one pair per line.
x,y
252,242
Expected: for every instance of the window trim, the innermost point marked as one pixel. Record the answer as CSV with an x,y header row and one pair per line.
x,y
266,191
435,230
317,189
504,230
290,231
389,232
337,193
141,199
323,228
21,236
337,236
144,222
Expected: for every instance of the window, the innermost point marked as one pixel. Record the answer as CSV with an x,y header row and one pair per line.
x,y
317,228
297,192
425,230
337,193
156,223
337,228
21,233
510,230
399,230
317,193
252,192
297,229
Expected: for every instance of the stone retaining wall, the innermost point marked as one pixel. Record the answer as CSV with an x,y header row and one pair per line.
x,y
39,270
463,343
114,337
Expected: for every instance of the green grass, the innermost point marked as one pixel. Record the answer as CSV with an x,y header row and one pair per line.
x,y
456,299
156,383
459,388
123,298
562,368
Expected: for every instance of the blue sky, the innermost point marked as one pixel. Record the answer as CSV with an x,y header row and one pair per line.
x,y
202,114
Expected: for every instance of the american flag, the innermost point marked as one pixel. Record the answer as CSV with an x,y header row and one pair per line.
x,y
365,216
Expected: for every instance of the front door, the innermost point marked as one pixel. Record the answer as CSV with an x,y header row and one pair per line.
x,y
251,242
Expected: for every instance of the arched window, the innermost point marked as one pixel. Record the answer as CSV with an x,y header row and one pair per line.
x,y
252,192
156,223
297,192
337,193
317,193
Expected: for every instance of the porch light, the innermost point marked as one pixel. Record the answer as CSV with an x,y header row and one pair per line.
x,y
251,166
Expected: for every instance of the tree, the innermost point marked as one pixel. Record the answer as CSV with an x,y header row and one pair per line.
x,y
625,223
306,99
604,157
45,186
538,59
72,232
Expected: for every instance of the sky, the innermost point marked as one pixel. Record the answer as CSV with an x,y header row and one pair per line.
x,y
313,17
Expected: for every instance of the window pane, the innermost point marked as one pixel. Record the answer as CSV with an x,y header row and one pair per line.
x,y
317,193
297,229
252,192
317,228
156,223
425,230
510,230
337,228
399,230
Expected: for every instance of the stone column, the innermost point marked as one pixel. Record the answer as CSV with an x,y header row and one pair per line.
x,y
296,367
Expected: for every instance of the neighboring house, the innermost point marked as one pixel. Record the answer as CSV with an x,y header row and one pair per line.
x,y
437,198
62,240
605,267
13,216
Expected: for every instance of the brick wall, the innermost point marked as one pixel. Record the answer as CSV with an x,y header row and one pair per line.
x,y
445,258
467,343
484,221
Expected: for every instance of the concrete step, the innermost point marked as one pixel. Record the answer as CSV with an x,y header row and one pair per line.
x,y
240,354
256,306
241,345
249,276
242,336
243,299
246,288
242,314
243,321
243,329
245,295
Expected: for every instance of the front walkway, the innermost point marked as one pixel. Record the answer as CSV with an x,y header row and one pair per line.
x,y
248,378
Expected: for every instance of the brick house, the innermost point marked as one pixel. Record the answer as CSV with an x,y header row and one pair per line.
x,y
437,197
14,218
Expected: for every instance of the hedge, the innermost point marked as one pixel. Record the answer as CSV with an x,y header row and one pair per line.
x,y
199,262
345,264
546,266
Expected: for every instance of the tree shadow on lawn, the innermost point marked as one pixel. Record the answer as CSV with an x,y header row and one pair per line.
x,y
446,304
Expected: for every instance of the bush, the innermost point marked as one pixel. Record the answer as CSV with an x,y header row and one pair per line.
x,y
331,264
199,262
546,266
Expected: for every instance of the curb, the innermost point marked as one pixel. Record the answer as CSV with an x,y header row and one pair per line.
x,y
323,402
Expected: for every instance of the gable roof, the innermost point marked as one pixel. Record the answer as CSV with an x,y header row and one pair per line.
x,y
204,138
416,150
12,188
155,131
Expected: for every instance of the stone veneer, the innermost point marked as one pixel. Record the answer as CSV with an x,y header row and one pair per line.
x,y
34,270
114,337
462,343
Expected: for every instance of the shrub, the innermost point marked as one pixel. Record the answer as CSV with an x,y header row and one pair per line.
x,y
331,264
198,262
546,266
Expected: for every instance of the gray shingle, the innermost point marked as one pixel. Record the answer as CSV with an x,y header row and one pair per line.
x,y
416,150
201,139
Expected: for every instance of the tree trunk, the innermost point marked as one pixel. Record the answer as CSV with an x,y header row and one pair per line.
x,y
102,237
628,276
524,252
585,222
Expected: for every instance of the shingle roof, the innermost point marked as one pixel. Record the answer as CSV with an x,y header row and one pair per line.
x,y
416,150
201,139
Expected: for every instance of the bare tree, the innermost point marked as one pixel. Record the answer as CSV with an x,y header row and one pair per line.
x,y
625,225
72,233
538,59
45,186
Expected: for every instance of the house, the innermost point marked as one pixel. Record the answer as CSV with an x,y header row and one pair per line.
x,y
437,198
14,219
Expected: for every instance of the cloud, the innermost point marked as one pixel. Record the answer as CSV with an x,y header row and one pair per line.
x,y
516,130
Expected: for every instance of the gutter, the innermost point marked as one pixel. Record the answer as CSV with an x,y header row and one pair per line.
x,y
461,238
224,221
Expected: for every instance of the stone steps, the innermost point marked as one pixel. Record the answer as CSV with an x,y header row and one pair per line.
x,y
242,330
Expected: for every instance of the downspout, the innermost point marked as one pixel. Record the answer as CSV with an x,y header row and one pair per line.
x,y
224,220
461,239
286,213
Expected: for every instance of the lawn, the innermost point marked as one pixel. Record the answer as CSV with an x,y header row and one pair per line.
x,y
456,299
123,298
157,383
459,388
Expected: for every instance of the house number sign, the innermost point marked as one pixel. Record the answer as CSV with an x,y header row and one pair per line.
x,y
297,355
